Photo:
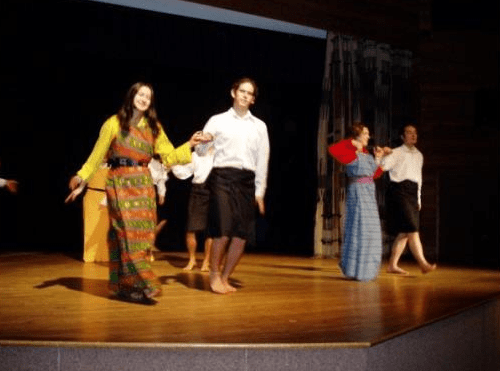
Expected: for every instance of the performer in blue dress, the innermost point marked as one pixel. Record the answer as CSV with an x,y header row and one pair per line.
x,y
362,247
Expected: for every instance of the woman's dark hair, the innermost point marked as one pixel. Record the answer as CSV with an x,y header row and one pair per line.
x,y
243,80
356,129
127,109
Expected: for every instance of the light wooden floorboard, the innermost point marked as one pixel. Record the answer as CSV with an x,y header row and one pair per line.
x,y
282,301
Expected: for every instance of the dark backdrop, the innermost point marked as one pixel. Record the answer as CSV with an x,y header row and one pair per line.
x,y
65,68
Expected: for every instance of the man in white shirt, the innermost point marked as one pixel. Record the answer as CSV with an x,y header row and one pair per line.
x,y
405,172
238,180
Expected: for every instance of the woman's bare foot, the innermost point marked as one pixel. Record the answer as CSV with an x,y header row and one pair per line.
x,y
216,283
190,265
428,268
397,270
205,266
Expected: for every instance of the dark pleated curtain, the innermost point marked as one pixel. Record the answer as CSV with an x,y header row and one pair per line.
x,y
363,81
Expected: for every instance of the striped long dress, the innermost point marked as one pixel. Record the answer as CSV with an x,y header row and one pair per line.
x,y
362,246
132,212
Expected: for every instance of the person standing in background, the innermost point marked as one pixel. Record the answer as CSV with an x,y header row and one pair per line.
x,y
199,201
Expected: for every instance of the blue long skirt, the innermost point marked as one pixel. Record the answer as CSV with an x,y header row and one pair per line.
x,y
362,247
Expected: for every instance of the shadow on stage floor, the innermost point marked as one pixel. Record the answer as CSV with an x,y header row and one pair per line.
x,y
53,301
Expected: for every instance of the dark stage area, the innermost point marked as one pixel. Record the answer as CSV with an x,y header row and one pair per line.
x,y
66,67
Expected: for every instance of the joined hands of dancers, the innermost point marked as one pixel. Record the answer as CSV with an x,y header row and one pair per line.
x,y
77,184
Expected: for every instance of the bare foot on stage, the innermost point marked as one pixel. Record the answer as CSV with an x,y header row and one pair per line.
x,y
428,268
205,266
228,287
216,283
190,266
397,270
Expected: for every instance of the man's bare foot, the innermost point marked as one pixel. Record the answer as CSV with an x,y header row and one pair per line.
x,y
190,265
205,266
216,283
228,286
428,268
397,270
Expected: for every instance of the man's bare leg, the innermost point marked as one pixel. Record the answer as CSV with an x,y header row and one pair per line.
x,y
234,253
191,247
218,248
397,250
158,228
418,252
206,260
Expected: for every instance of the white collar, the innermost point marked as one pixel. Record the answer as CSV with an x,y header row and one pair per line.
x,y
248,115
409,149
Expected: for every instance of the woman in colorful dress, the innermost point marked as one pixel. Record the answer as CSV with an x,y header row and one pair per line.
x,y
132,137
362,247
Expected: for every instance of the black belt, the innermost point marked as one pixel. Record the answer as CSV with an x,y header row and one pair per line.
x,y
124,161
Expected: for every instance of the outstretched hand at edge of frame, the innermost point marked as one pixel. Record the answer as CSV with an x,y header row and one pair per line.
x,y
11,185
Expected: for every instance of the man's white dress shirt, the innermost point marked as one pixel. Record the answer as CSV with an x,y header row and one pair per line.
x,y
241,143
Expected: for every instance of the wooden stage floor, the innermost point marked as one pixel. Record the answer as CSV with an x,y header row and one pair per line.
x,y
53,300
